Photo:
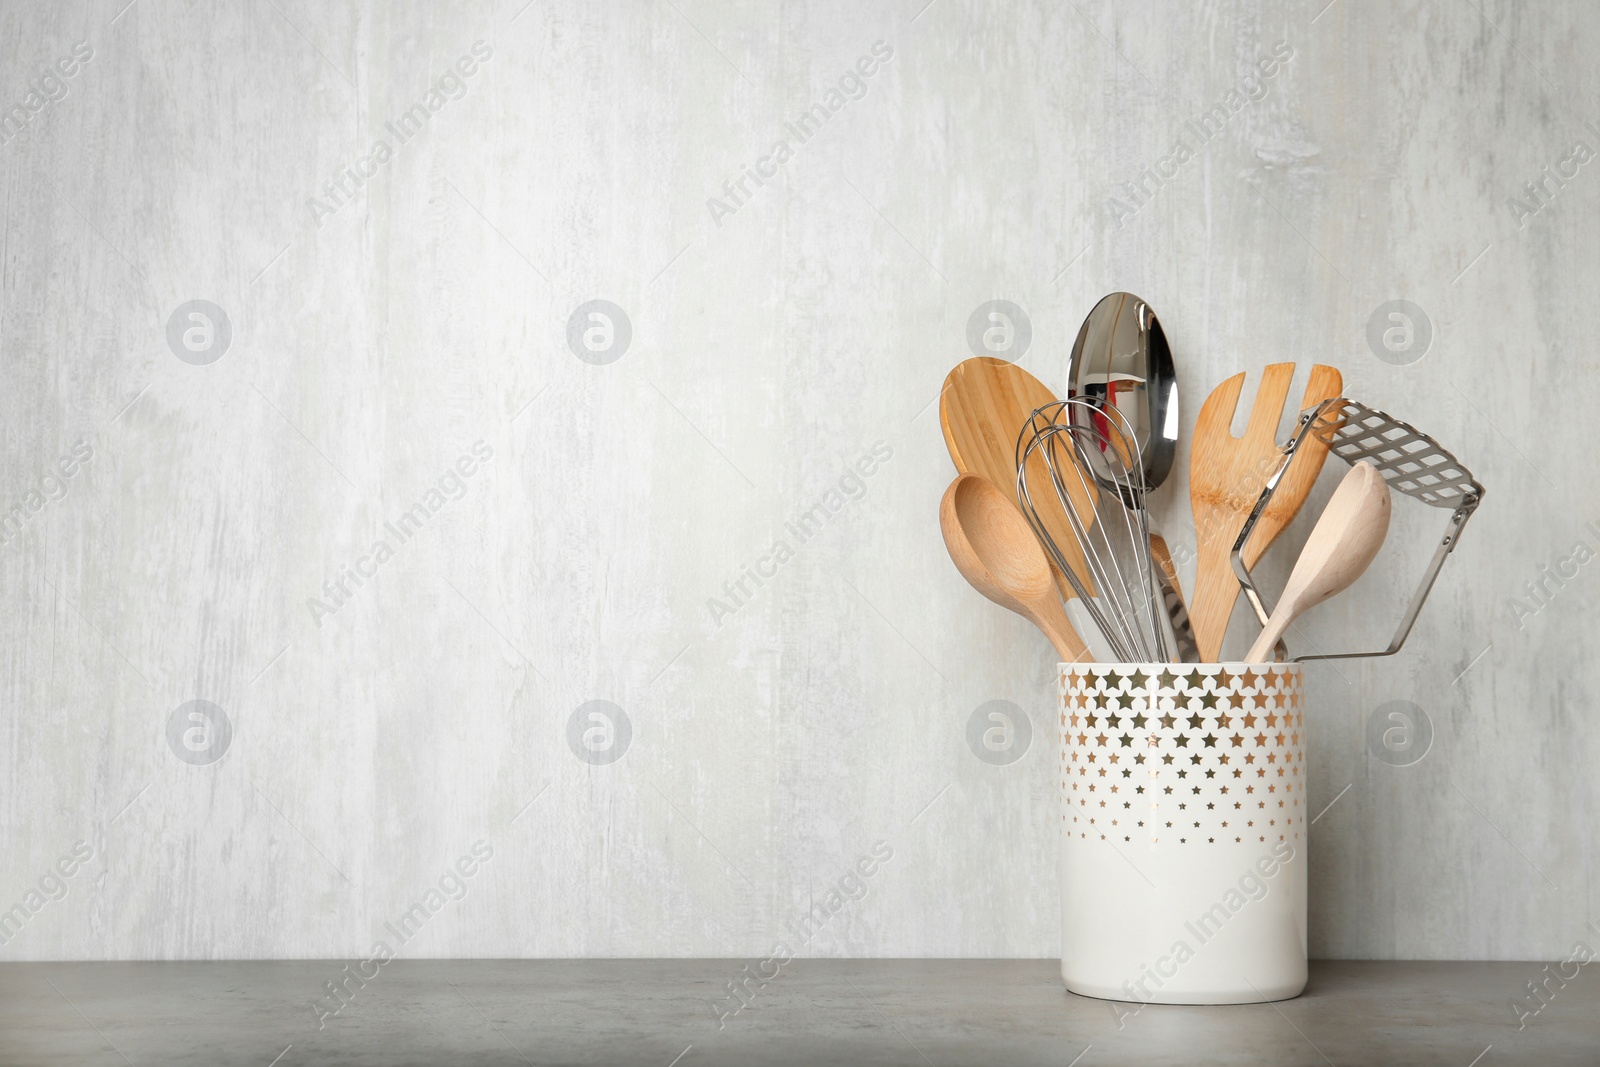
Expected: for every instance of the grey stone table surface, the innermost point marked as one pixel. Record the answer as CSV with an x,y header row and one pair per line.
x,y
678,1012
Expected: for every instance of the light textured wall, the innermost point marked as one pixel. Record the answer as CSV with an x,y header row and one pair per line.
x,y
774,346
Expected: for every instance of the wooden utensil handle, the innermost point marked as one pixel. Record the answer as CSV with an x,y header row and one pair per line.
x,y
1058,628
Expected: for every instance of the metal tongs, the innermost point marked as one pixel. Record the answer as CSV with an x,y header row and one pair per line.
x,y
1408,459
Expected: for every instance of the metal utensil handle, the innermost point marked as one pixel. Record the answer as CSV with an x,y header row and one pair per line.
x,y
1452,535
1188,651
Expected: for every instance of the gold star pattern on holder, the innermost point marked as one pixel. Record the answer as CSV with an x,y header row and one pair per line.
x,y
1201,713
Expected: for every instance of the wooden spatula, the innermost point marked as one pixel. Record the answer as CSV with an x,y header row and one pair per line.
x,y
982,408
1226,475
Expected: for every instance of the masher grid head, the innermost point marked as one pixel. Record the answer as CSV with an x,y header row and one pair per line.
x,y
1409,460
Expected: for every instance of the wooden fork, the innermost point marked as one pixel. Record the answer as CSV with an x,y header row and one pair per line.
x,y
1226,475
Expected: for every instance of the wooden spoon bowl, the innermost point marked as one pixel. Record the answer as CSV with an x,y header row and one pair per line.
x,y
996,551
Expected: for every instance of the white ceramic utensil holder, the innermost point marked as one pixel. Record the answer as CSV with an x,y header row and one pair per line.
x,y
1183,841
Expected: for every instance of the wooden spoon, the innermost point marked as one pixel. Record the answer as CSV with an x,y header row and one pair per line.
x,y
1341,545
1227,473
996,551
982,408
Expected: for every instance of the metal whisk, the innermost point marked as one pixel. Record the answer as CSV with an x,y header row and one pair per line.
x,y
1092,463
